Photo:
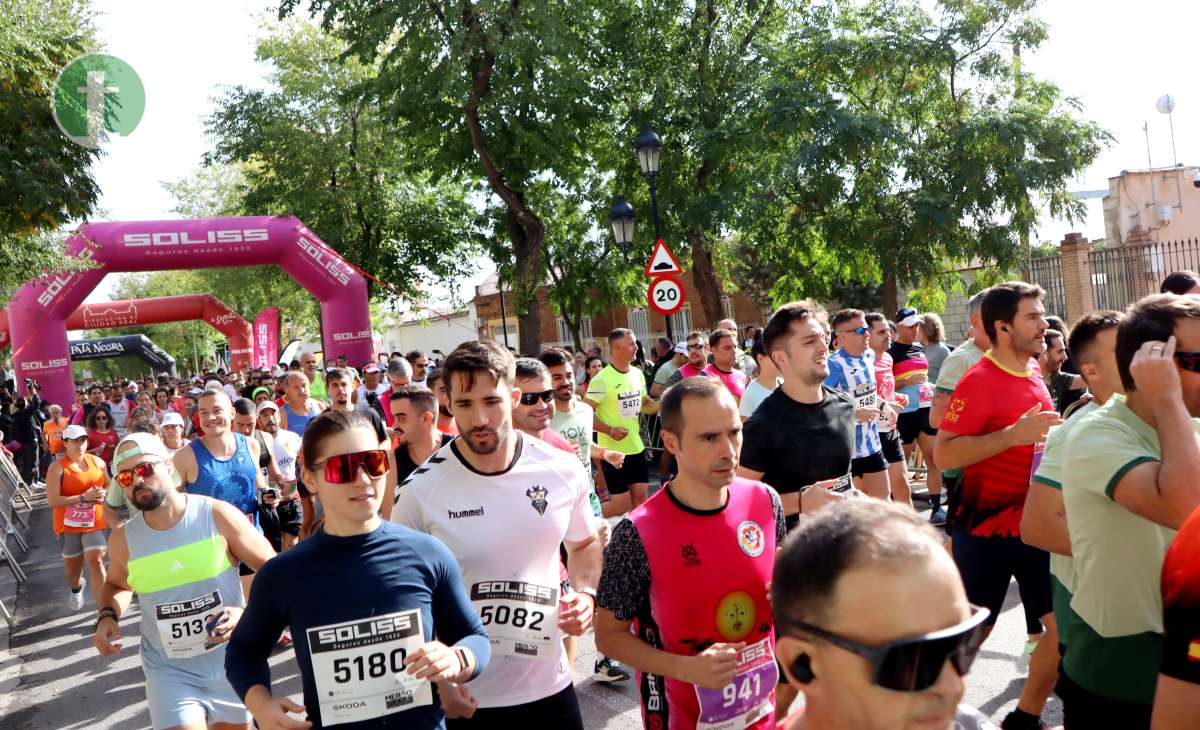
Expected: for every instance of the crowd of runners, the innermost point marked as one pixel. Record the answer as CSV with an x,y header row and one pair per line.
x,y
431,539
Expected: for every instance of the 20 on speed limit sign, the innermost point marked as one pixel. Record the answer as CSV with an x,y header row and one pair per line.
x,y
666,295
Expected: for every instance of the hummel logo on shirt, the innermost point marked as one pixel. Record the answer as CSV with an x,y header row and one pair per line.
x,y
477,512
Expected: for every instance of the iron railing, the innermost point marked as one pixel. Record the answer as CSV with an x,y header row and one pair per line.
x,y
1046,272
1124,274
15,504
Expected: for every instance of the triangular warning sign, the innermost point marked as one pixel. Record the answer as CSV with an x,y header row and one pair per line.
x,y
662,262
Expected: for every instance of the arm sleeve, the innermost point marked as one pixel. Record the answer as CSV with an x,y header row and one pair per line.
x,y
596,390
969,408
625,583
780,520
255,635
582,523
834,380
951,372
1104,456
675,378
454,617
406,509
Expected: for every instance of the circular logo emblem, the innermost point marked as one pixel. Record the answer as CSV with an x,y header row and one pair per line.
x,y
750,538
736,615
96,95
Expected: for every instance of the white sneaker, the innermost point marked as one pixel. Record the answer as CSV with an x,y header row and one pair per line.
x,y
76,599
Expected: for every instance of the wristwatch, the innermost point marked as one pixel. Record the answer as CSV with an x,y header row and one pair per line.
x,y
589,592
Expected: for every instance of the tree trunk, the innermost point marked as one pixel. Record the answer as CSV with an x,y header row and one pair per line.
x,y
705,279
891,290
528,281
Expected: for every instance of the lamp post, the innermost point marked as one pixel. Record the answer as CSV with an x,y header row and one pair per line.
x,y
621,217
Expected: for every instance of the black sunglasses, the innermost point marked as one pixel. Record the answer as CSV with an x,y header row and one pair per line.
x,y
914,664
697,346
1188,361
531,399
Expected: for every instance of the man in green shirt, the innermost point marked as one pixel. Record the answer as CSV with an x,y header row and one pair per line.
x,y
316,383
618,396
1129,483
679,356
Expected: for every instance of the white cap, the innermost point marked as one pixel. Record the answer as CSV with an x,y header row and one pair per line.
x,y
171,418
681,348
138,444
195,391
73,431
276,371
214,385
267,405
370,368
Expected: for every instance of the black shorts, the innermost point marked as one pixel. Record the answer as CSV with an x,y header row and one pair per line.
x,y
872,464
912,424
559,711
987,565
633,471
893,450
1083,709
244,569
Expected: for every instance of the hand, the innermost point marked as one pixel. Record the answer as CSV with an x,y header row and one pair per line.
x,y
108,637
614,458
1033,426
714,667
434,661
866,415
817,496
902,399
604,532
272,714
1154,372
918,379
457,702
225,625
93,494
576,618
618,434
269,498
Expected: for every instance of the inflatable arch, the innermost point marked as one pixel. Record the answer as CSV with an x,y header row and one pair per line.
x,y
139,346
157,310
39,310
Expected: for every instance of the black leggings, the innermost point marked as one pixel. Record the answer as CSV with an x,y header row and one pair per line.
x,y
559,711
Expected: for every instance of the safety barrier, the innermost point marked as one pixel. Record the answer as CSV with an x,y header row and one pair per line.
x,y
16,501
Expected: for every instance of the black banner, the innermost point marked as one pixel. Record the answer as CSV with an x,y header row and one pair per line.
x,y
138,346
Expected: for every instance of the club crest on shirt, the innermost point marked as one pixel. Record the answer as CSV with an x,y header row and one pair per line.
x,y
537,498
750,538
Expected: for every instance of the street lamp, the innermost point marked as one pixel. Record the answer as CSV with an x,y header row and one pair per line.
x,y
621,219
648,147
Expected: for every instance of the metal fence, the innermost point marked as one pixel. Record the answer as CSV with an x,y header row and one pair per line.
x,y
1125,274
16,501
1046,272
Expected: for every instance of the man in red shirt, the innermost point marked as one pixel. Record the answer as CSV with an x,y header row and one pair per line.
x,y
994,430
697,353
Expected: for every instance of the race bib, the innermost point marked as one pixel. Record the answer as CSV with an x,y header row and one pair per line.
x,y
844,483
629,405
358,667
926,399
864,395
80,515
182,626
887,418
748,698
521,618
1038,449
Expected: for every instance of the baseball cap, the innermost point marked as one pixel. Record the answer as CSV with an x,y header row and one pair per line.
x,y
370,368
681,348
907,317
267,405
195,391
172,419
276,371
73,432
254,393
139,444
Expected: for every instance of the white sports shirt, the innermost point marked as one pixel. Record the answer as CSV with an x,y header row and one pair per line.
x,y
505,530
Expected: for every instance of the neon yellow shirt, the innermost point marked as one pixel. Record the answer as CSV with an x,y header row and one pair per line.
x,y
619,397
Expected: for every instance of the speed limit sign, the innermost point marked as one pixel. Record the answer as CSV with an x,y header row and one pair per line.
x,y
666,295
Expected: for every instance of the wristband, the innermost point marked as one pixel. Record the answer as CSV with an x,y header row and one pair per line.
x,y
463,664
104,613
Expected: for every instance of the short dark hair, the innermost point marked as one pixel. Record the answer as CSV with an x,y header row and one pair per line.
x,y
870,318
337,374
1150,319
619,333
422,398
94,387
1001,302
555,356
670,410
1180,282
480,356
779,327
1050,336
694,335
432,379
331,423
528,368
1087,328
843,316
715,337
414,356
831,543
244,407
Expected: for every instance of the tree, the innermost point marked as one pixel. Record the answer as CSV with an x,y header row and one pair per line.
x,y
45,179
910,143
508,91
317,144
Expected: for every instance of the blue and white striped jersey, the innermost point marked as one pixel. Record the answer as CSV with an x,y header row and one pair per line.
x,y
856,376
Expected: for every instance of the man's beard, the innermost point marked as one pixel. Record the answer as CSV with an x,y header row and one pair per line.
x,y
484,449
153,502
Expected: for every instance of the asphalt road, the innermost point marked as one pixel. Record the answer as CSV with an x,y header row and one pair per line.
x,y
53,679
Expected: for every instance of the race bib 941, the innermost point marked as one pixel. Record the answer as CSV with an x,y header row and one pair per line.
x,y
358,667
521,618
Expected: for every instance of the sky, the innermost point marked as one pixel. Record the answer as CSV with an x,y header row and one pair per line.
x,y
1116,56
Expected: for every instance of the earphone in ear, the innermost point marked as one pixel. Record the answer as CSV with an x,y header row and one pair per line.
x,y
802,669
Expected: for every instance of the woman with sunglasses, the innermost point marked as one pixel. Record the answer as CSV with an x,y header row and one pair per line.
x,y
364,600
75,488
901,664
102,437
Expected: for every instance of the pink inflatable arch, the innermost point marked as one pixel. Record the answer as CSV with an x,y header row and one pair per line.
x,y
38,312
